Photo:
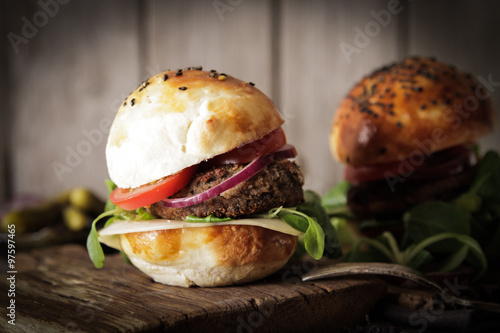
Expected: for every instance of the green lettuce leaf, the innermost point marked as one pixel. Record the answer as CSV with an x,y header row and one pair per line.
x,y
207,219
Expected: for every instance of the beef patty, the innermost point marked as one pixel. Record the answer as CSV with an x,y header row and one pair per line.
x,y
376,199
278,184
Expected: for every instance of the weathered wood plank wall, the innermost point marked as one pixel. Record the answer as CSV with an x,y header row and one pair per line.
x,y
65,66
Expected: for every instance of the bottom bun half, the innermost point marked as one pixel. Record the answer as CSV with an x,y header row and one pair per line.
x,y
209,256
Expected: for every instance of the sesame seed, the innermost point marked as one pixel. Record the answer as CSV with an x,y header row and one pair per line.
x,y
423,107
433,101
399,124
132,102
222,77
428,75
178,73
182,88
251,83
144,85
165,77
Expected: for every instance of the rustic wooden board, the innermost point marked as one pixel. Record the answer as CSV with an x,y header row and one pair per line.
x,y
57,289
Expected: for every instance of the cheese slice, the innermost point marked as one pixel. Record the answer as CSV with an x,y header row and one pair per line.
x,y
110,235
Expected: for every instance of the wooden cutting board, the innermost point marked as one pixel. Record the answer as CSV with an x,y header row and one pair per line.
x,y
58,290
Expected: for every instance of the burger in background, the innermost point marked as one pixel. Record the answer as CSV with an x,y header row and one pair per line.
x,y
417,190
204,190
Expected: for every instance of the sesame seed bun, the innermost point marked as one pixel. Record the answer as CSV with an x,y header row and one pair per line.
x,y
180,118
414,106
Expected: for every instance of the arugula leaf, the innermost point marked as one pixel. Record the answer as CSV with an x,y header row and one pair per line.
x,y
434,217
454,260
314,239
295,221
111,186
486,215
94,247
420,259
344,233
96,254
487,182
114,213
209,218
468,203
335,201
314,208
337,196
417,255
142,214
378,251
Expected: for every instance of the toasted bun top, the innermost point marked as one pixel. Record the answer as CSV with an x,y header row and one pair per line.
x,y
179,118
415,106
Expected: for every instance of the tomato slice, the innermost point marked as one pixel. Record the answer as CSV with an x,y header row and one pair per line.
x,y
248,152
148,194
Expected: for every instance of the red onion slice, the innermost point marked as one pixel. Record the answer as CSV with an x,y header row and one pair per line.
x,y
284,152
287,151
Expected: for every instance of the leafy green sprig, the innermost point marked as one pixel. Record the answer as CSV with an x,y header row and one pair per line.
x,y
445,234
207,219
113,213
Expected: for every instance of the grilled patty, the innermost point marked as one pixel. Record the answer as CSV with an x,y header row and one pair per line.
x,y
376,199
278,184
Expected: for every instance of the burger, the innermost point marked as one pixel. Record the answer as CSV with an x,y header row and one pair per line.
x,y
408,137
203,183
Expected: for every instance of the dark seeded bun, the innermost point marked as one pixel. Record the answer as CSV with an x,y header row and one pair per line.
x,y
178,119
415,106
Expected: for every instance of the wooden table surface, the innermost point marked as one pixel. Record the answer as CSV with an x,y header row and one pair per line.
x,y
57,289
